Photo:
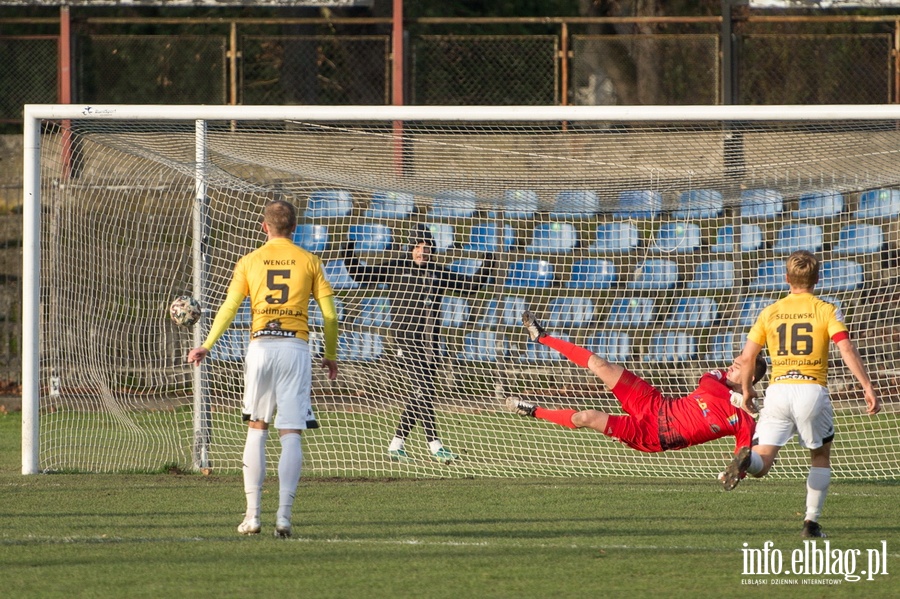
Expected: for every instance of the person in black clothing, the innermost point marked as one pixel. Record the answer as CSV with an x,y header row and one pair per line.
x,y
415,286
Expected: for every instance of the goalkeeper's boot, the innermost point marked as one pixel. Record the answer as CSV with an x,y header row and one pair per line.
x,y
535,330
736,470
443,455
399,455
282,528
250,526
811,529
520,406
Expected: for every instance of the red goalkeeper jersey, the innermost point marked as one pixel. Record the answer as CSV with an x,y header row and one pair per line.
x,y
656,423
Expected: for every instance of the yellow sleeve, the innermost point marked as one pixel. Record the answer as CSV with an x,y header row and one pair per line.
x,y
329,315
227,312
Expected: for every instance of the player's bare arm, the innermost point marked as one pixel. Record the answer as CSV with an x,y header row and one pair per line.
x,y
854,362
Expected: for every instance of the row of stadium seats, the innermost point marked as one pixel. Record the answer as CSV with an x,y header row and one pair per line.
x,y
492,346
582,203
611,238
565,313
651,274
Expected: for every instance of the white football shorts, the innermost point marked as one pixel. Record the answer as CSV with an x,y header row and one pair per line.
x,y
277,380
804,410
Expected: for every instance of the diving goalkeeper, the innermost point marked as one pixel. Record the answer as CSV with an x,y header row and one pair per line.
x,y
654,423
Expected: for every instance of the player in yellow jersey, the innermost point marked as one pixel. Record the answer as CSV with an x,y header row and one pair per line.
x,y
797,331
279,278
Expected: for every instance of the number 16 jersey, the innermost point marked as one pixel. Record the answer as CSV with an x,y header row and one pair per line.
x,y
797,331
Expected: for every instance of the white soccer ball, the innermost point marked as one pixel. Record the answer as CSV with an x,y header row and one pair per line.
x,y
185,311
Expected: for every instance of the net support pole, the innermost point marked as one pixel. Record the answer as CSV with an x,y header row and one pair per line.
x,y
31,269
200,237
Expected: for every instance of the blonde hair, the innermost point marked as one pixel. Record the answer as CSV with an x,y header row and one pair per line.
x,y
281,217
802,269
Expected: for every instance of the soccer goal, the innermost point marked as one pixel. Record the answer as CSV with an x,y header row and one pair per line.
x,y
652,235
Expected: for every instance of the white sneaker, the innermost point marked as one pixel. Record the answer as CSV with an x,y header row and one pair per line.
x,y
282,528
250,526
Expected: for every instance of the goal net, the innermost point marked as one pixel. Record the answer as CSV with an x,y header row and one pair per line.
x,y
653,236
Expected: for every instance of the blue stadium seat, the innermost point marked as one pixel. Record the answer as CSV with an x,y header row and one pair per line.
x,y
761,203
752,237
724,243
614,346
444,236
456,203
231,346
484,346
878,203
454,311
520,203
360,346
615,238
638,203
568,312
506,311
312,238
315,319
840,275
529,273
490,237
466,266
370,237
671,346
536,353
690,312
725,347
699,203
553,238
593,273
337,275
631,312
374,312
750,309
391,204
329,203
713,274
770,276
798,236
826,203
858,238
575,203
655,274
677,238
747,238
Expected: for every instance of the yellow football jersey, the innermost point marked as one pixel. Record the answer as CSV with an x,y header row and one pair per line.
x,y
797,330
280,277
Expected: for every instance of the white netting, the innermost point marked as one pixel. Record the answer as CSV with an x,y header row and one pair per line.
x,y
655,244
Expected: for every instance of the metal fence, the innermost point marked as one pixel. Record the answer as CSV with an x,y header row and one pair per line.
x,y
457,62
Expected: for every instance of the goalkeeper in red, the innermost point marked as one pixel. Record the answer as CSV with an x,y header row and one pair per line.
x,y
652,423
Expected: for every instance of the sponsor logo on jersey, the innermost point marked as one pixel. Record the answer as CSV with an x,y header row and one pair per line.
x,y
795,375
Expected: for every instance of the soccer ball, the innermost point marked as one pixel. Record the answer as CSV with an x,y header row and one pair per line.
x,y
185,311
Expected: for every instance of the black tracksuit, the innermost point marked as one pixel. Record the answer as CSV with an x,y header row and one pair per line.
x,y
415,293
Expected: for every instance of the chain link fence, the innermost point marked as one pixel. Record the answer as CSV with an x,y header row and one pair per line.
x,y
645,69
151,69
470,70
315,70
28,74
815,69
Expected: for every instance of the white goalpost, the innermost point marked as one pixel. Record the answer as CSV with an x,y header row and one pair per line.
x,y
651,235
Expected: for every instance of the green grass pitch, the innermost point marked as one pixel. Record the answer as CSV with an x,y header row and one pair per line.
x,y
173,535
